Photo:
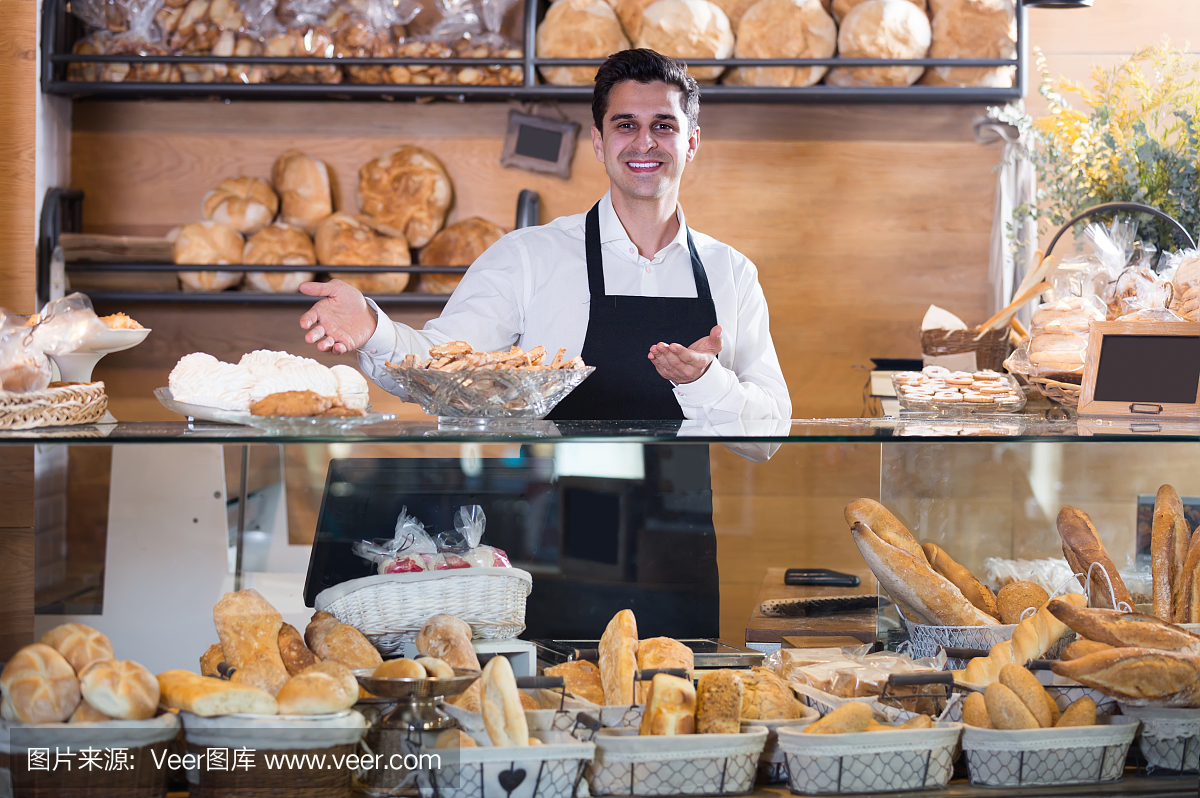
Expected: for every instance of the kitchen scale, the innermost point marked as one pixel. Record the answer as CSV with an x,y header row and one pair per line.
x,y
417,707
709,653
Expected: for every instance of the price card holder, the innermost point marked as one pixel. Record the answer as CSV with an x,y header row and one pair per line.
x,y
538,144
1143,369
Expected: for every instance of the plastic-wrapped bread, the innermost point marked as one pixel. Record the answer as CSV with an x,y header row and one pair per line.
x,y
407,189
303,185
207,243
687,29
840,8
974,29
279,244
345,239
246,204
882,29
458,244
783,29
578,29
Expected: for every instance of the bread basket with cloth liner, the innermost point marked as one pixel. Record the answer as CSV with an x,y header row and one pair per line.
x,y
676,765
772,764
1169,739
865,762
86,760
1056,756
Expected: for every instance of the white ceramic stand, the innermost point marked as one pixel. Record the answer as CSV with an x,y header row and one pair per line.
x,y
77,366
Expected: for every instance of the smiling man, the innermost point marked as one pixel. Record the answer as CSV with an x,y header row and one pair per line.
x,y
674,321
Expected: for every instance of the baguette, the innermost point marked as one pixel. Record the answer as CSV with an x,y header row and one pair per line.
x,y
976,592
1124,629
207,697
1138,676
1186,603
927,595
881,521
1169,539
618,659
1032,638
503,716
1081,648
1082,547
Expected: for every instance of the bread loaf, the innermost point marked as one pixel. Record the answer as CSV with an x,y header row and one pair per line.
x,y
249,630
1138,676
436,668
246,204
322,688
580,29
1082,547
686,29
670,708
123,690
976,592
503,715
292,650
80,645
974,29
86,713
279,244
407,189
719,702
328,638
39,686
208,697
661,652
1027,688
1081,648
304,193
888,527
400,669
618,659
207,243
1017,597
449,639
580,679
840,8
1032,638
1082,712
851,717
882,29
345,239
975,711
454,738
767,697
783,29
459,244
1122,629
1169,542
1186,603
1006,709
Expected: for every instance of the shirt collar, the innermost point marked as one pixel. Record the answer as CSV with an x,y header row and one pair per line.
x,y
612,230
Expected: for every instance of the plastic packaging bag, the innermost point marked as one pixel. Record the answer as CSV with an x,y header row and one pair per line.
x,y
467,29
1051,574
142,39
1058,340
370,29
1186,279
23,366
103,19
851,674
412,550
66,324
305,36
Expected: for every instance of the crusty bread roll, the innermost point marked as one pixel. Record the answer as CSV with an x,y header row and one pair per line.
x,y
345,239
888,527
246,204
1082,547
1017,597
1082,712
840,8
39,686
455,738
719,702
279,244
976,592
212,657
449,639
323,688
579,29
459,244
974,29
1027,688
1138,676
207,243
208,697
1032,638
295,654
80,645
406,188
1170,538
329,638
618,659
1006,709
767,697
686,29
851,717
736,10
86,713
249,630
436,668
1121,629
303,185
670,708
882,29
661,652
123,690
503,715
581,679
400,669
1186,605
1081,648
783,29
975,711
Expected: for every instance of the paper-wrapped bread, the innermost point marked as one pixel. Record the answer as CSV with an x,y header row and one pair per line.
x,y
578,29
687,29
407,189
784,29
974,29
458,245
207,243
304,194
246,204
344,239
840,8
882,29
279,244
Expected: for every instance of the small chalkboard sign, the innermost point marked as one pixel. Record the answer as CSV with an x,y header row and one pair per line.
x,y
539,144
1142,368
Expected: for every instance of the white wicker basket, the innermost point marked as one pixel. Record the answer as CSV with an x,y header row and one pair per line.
x,y
1169,738
926,640
879,761
1069,755
391,608
551,770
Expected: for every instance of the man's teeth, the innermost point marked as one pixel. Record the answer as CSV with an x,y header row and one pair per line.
x,y
638,165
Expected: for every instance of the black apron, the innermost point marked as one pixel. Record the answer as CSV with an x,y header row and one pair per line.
x,y
677,556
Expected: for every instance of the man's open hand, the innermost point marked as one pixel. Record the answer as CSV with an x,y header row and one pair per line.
x,y
342,321
683,365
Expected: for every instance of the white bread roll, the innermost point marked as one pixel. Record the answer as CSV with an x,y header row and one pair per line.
x,y
208,697
322,688
687,29
207,243
123,690
436,668
784,29
503,715
400,669
303,185
578,29
840,8
279,244
974,29
246,204
345,239
39,686
80,645
882,29
86,713
671,708
407,189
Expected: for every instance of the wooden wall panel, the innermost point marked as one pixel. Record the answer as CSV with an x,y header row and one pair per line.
x,y
18,84
16,548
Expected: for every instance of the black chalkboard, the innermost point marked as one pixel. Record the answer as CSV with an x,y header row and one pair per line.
x,y
1163,369
540,143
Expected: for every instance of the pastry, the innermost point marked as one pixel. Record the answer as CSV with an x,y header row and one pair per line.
x,y
1082,547
1006,709
245,204
503,715
279,244
882,29
670,708
719,702
119,321
407,189
1016,598
853,716
976,592
330,639
122,690
618,659
581,679
767,697
304,194
459,244
661,652
783,29
1027,688
291,404
400,669
207,243
249,630
974,29
345,239
1032,638
579,29
352,389
686,29
322,688
80,645
1169,542
208,697
39,686
292,650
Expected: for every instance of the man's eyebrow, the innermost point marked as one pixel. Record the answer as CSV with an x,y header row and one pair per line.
x,y
618,117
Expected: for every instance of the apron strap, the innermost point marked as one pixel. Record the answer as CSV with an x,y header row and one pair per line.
x,y
595,259
698,273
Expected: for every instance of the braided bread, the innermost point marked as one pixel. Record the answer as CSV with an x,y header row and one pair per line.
x,y
1032,638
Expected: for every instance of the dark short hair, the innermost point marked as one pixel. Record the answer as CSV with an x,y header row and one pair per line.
x,y
645,66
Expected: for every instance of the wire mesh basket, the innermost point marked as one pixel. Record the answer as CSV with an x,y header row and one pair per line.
x,y
1169,738
553,769
488,393
928,640
864,762
679,765
1058,756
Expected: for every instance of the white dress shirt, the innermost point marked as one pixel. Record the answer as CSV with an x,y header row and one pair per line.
x,y
531,288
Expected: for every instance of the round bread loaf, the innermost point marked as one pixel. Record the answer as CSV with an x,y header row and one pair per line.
x,y
459,244
579,29
407,189
120,689
1016,597
304,194
400,669
344,239
207,243
320,689
974,29
767,697
279,244
841,8
630,14
435,668
39,686
882,29
246,204
86,713
688,29
80,645
784,29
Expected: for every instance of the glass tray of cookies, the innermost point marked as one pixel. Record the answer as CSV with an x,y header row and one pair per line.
x,y
940,390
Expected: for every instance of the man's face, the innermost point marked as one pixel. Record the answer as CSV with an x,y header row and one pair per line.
x,y
645,142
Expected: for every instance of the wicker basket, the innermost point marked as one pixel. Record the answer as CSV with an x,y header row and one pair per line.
x,y
1063,393
990,350
391,608
77,403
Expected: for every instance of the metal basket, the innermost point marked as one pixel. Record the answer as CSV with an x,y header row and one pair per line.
x,y
551,770
1058,756
679,765
927,640
488,393
879,761
1169,738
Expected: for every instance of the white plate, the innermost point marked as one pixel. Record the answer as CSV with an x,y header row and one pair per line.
x,y
269,423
